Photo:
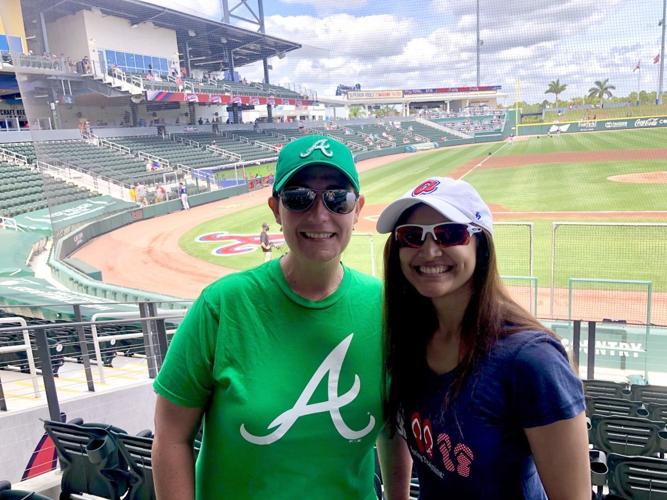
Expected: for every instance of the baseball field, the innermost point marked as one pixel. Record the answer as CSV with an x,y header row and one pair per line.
x,y
586,177
585,206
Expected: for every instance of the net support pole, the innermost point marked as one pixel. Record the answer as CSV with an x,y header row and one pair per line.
x,y
554,226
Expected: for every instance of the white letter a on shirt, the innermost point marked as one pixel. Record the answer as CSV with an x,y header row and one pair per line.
x,y
331,366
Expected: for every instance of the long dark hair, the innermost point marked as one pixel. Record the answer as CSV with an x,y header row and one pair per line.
x,y
410,321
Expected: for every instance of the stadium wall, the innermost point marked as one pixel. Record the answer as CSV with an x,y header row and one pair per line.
x,y
594,125
19,435
80,280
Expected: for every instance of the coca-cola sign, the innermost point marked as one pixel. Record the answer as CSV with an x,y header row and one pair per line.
x,y
646,122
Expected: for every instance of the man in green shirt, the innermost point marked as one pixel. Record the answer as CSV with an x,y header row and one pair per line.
x,y
282,361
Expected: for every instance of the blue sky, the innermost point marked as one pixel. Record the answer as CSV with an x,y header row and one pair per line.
x,y
414,44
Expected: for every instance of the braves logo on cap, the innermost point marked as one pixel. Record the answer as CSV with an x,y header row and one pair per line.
x,y
426,187
322,145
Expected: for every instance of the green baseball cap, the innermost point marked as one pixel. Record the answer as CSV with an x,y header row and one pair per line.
x,y
314,150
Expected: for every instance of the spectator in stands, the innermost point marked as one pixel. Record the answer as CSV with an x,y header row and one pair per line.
x,y
160,193
85,66
200,121
132,193
258,349
480,395
141,194
183,196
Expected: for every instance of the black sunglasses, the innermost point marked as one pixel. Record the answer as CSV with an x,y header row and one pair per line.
x,y
445,234
301,199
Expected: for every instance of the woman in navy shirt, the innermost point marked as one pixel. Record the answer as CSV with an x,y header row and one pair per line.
x,y
480,396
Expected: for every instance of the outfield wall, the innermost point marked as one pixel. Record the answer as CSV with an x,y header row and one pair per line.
x,y
646,122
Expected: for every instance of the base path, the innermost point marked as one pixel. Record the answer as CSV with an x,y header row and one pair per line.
x,y
146,255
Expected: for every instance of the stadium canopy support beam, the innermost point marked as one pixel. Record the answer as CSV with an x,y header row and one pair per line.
x,y
253,13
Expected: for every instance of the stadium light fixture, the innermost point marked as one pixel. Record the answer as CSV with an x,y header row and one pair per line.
x,y
192,33
281,55
223,40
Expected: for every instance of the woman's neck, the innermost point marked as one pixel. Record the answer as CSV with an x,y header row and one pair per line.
x,y
312,280
443,350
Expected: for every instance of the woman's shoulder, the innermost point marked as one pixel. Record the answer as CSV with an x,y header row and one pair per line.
x,y
364,280
528,344
236,282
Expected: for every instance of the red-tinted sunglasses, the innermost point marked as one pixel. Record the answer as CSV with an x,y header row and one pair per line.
x,y
445,234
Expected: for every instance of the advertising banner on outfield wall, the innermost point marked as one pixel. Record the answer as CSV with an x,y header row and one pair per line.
x,y
594,125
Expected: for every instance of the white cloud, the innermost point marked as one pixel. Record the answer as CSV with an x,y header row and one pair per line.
x,y
534,40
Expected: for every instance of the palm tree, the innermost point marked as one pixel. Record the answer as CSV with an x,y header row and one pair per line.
x,y
557,88
600,90
354,112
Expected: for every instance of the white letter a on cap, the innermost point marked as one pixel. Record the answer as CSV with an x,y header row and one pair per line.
x,y
331,365
324,147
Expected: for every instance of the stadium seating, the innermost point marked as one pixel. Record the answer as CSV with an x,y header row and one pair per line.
x,y
86,157
606,388
255,89
175,152
23,190
64,343
103,460
628,435
136,451
430,133
7,493
241,144
90,460
603,406
637,478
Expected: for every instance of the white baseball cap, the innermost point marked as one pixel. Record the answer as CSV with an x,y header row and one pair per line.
x,y
457,200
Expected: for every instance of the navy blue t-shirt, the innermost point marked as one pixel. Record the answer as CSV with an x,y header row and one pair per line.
x,y
477,449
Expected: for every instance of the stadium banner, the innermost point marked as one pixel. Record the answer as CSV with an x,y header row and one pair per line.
x,y
375,94
594,125
71,214
452,90
162,96
421,146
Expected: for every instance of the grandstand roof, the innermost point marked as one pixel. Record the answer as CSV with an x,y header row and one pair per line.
x,y
206,46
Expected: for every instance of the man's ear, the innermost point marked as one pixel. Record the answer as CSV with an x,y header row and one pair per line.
x,y
360,205
274,205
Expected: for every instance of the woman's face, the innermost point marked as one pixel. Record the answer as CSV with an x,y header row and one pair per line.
x,y
436,271
317,234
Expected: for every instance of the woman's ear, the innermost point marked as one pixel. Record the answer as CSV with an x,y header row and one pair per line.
x,y
274,205
360,205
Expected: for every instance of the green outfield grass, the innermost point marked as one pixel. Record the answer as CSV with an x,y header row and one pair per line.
x,y
552,187
589,141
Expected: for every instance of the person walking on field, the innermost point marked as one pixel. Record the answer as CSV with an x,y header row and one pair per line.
x,y
265,243
282,362
183,195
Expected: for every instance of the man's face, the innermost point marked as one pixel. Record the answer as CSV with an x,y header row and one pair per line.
x,y
316,234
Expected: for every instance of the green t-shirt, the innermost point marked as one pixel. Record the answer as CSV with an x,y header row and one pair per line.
x,y
292,386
